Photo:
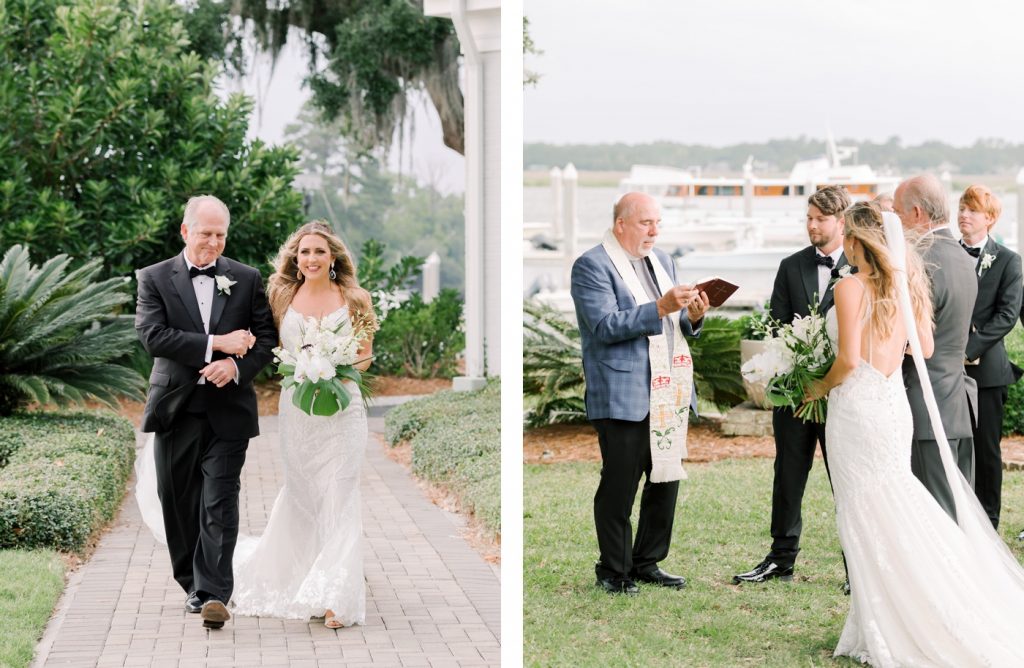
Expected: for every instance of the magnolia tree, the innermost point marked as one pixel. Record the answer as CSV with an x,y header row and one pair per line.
x,y
110,124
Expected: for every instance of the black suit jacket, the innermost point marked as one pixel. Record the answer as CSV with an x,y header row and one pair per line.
x,y
796,285
995,314
169,324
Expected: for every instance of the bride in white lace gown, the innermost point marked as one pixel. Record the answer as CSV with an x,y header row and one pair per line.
x,y
925,591
309,562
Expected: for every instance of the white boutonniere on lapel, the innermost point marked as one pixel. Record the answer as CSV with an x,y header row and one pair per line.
x,y
841,272
224,284
986,261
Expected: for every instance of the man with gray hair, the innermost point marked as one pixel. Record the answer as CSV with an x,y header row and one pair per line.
x,y
205,320
920,203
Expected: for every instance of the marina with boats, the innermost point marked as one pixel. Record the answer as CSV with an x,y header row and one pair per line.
x,y
736,227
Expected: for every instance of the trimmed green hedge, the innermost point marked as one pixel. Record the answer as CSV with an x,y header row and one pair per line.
x,y
64,479
1013,412
456,440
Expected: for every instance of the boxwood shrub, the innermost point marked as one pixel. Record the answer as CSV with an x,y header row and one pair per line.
x,y
456,441
1013,412
64,479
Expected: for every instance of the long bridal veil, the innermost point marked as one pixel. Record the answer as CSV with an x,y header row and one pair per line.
x,y
972,519
145,490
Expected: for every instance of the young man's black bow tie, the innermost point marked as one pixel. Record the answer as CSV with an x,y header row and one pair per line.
x,y
196,271
825,260
974,252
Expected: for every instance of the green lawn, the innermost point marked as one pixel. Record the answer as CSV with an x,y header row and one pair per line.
x,y
30,584
721,529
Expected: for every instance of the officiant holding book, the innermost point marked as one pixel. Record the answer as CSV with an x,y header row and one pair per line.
x,y
804,281
639,377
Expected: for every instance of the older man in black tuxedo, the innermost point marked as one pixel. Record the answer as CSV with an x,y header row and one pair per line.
x,y
205,320
995,313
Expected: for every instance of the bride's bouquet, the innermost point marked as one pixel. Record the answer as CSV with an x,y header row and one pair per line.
x,y
795,356
317,369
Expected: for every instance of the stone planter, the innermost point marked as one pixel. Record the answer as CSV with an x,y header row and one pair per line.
x,y
755,391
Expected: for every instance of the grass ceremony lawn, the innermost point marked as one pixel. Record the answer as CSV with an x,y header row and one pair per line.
x,y
721,528
30,582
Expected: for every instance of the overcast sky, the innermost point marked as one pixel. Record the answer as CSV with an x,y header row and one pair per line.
x,y
280,94
726,71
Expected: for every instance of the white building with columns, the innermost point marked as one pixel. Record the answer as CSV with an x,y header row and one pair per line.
x,y
478,25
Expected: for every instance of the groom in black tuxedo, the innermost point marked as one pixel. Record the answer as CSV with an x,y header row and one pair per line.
x,y
995,314
205,320
804,280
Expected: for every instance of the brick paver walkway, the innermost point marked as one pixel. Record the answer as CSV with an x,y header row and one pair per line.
x,y
431,600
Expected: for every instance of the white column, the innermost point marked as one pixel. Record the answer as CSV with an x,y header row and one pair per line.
x,y
478,26
431,277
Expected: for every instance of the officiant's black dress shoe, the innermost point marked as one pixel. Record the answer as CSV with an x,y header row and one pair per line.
x,y
763,572
193,604
661,578
618,586
214,614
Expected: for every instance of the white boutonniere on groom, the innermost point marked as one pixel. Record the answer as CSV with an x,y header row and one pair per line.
x,y
224,284
986,261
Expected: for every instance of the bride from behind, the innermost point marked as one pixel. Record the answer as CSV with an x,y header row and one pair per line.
x,y
308,562
925,590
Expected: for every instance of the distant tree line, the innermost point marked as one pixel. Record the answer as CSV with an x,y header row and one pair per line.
x,y
985,156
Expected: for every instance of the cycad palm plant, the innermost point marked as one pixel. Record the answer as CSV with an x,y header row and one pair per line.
x,y
58,335
716,362
552,366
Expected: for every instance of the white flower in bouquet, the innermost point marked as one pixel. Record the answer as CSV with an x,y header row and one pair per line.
x,y
320,368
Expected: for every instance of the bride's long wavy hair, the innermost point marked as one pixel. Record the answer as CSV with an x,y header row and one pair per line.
x,y
863,222
287,278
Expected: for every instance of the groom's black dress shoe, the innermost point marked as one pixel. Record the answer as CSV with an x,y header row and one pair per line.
x,y
192,603
764,571
214,614
661,578
618,586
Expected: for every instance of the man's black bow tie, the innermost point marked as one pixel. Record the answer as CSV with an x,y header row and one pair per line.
x,y
825,260
974,252
196,271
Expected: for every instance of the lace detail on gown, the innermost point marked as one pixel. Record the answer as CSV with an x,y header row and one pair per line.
x,y
924,592
309,558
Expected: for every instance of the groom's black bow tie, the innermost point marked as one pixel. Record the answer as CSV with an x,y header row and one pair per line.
x,y
825,260
974,252
196,271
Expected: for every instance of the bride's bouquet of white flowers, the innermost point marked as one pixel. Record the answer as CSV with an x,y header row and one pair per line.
x,y
795,356
321,364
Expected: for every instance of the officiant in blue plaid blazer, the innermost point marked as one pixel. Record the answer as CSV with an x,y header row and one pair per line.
x,y
614,333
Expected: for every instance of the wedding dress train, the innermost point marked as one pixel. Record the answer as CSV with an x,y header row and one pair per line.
x,y
309,558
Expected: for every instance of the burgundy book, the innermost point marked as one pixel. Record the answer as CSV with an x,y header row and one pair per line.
x,y
718,289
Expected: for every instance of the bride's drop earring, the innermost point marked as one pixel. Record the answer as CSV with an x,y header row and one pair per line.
x,y
333,274
298,275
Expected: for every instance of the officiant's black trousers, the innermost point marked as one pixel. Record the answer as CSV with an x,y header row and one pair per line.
x,y
198,484
625,458
795,442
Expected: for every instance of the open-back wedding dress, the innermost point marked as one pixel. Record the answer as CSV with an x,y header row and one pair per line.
x,y
925,590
